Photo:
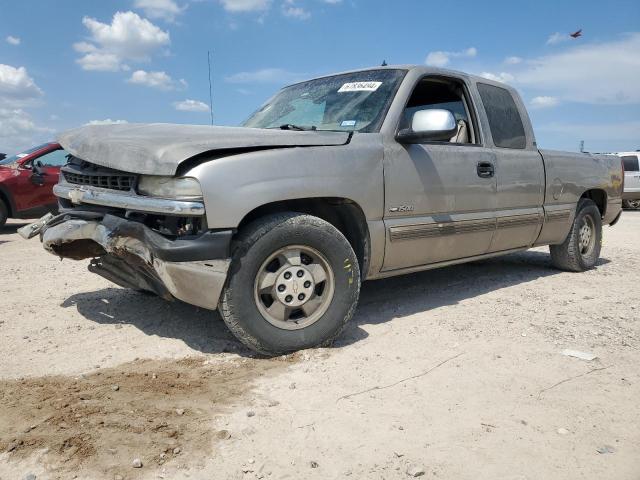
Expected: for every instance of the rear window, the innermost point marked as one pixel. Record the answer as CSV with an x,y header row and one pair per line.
x,y
630,163
504,119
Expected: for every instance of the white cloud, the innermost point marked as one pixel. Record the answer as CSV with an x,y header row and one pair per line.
x,y
503,77
597,73
245,5
189,105
512,60
544,102
437,59
289,9
442,59
266,75
296,12
159,80
11,40
557,37
17,128
128,38
84,47
102,62
164,9
18,131
106,121
17,88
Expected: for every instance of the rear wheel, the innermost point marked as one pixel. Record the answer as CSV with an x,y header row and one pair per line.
x,y
581,250
293,284
633,204
4,213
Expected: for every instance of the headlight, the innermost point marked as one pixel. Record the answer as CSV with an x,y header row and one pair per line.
x,y
185,188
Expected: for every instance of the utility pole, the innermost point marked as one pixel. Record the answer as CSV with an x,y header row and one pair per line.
x,y
210,86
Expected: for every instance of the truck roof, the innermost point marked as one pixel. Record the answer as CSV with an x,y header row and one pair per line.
x,y
423,69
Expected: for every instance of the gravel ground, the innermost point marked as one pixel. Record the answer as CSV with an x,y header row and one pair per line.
x,y
457,373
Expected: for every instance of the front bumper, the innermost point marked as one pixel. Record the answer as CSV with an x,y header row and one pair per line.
x,y
78,194
132,255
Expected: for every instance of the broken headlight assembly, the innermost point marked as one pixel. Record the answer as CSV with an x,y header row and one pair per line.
x,y
175,188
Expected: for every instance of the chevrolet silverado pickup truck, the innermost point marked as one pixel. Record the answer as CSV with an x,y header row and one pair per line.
x,y
336,180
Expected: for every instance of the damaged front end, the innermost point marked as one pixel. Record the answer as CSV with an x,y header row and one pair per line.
x,y
161,245
131,255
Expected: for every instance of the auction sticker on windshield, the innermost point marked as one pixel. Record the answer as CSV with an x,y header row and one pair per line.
x,y
360,87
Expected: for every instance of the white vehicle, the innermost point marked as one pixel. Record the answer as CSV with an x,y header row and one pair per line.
x,y
631,195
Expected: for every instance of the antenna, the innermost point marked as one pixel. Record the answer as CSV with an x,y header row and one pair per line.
x,y
210,86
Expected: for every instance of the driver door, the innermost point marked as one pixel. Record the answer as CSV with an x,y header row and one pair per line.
x,y
439,196
34,187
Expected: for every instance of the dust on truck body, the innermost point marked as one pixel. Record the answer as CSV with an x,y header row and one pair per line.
x,y
340,179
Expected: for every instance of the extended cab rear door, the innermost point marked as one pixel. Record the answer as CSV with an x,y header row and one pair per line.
x,y
519,168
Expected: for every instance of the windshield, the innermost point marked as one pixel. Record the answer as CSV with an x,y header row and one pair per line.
x,y
351,102
18,156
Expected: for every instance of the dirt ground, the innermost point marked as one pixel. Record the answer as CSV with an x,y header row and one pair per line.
x,y
457,373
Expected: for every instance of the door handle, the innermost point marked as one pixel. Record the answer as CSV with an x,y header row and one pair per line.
x,y
485,169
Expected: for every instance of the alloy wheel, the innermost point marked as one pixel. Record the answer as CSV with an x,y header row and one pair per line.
x,y
294,287
587,236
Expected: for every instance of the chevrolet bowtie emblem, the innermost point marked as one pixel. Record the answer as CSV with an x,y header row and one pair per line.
x,y
75,196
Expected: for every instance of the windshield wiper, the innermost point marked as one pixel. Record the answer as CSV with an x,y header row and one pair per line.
x,y
291,126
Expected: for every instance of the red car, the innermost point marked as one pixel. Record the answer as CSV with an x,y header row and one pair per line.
x,y
27,180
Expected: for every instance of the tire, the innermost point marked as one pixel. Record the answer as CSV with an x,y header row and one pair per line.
x,y
631,204
4,213
578,254
297,250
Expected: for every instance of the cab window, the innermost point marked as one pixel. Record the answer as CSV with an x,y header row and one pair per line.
x,y
630,163
504,119
442,93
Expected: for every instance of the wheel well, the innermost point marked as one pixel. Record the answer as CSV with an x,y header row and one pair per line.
x,y
342,213
599,197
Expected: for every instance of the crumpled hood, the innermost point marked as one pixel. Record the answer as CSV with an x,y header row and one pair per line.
x,y
159,148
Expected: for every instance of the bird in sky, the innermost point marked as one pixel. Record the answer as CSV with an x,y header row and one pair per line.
x,y
576,34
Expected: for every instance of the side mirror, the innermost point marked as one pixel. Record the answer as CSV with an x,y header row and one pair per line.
x,y
38,167
37,177
429,125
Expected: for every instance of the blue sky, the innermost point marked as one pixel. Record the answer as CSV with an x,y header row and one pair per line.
x,y
67,63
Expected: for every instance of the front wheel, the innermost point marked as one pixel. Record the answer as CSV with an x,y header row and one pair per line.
x,y
632,204
293,283
581,249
